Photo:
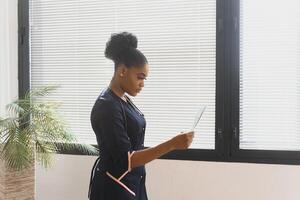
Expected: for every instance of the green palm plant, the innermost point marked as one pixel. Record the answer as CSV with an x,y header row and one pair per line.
x,y
34,131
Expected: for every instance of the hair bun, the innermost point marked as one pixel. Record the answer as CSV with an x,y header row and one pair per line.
x,y
119,42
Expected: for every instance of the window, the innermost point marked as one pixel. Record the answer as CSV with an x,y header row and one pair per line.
x,y
240,61
265,82
270,75
178,38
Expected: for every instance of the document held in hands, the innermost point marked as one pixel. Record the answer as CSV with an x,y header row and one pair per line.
x,y
197,117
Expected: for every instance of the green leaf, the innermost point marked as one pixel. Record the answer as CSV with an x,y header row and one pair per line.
x,y
40,92
83,148
34,131
14,108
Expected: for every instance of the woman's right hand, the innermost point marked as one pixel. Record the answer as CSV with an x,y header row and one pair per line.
x,y
182,140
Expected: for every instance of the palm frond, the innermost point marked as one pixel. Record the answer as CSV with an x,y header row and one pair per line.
x,y
14,109
17,150
44,154
24,104
35,130
86,149
40,92
7,124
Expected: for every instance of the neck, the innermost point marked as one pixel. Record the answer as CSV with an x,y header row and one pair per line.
x,y
116,88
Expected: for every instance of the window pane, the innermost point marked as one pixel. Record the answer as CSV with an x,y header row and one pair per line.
x,y
178,37
270,75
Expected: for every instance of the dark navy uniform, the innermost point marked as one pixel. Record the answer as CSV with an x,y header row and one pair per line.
x,y
120,129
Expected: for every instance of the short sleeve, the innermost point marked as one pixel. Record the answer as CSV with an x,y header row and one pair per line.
x,y
110,124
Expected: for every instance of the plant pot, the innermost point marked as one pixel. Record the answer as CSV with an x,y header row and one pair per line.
x,y
17,185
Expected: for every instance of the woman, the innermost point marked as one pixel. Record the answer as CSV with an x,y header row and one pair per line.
x,y
119,172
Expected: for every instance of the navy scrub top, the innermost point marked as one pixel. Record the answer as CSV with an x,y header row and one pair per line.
x,y
120,129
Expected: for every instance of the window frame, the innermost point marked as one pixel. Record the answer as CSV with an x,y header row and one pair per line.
x,y
227,92
237,154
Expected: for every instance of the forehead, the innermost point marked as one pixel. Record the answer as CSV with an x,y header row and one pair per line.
x,y
140,70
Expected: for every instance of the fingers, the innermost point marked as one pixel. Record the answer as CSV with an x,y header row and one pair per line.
x,y
189,138
190,134
183,140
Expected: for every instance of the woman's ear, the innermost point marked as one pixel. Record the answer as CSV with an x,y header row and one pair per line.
x,y
122,70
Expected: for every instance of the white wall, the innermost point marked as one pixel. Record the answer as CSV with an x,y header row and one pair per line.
x,y
179,180
167,179
8,53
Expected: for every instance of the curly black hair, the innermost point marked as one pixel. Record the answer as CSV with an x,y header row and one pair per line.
x,y
121,48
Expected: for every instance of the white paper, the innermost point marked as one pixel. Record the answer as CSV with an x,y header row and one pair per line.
x,y
197,117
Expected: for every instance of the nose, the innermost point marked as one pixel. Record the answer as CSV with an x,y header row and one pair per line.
x,y
142,84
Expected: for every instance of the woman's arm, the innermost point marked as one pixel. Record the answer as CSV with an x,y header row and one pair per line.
x,y
181,141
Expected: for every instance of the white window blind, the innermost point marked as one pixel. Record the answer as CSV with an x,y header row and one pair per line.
x,y
178,38
270,75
